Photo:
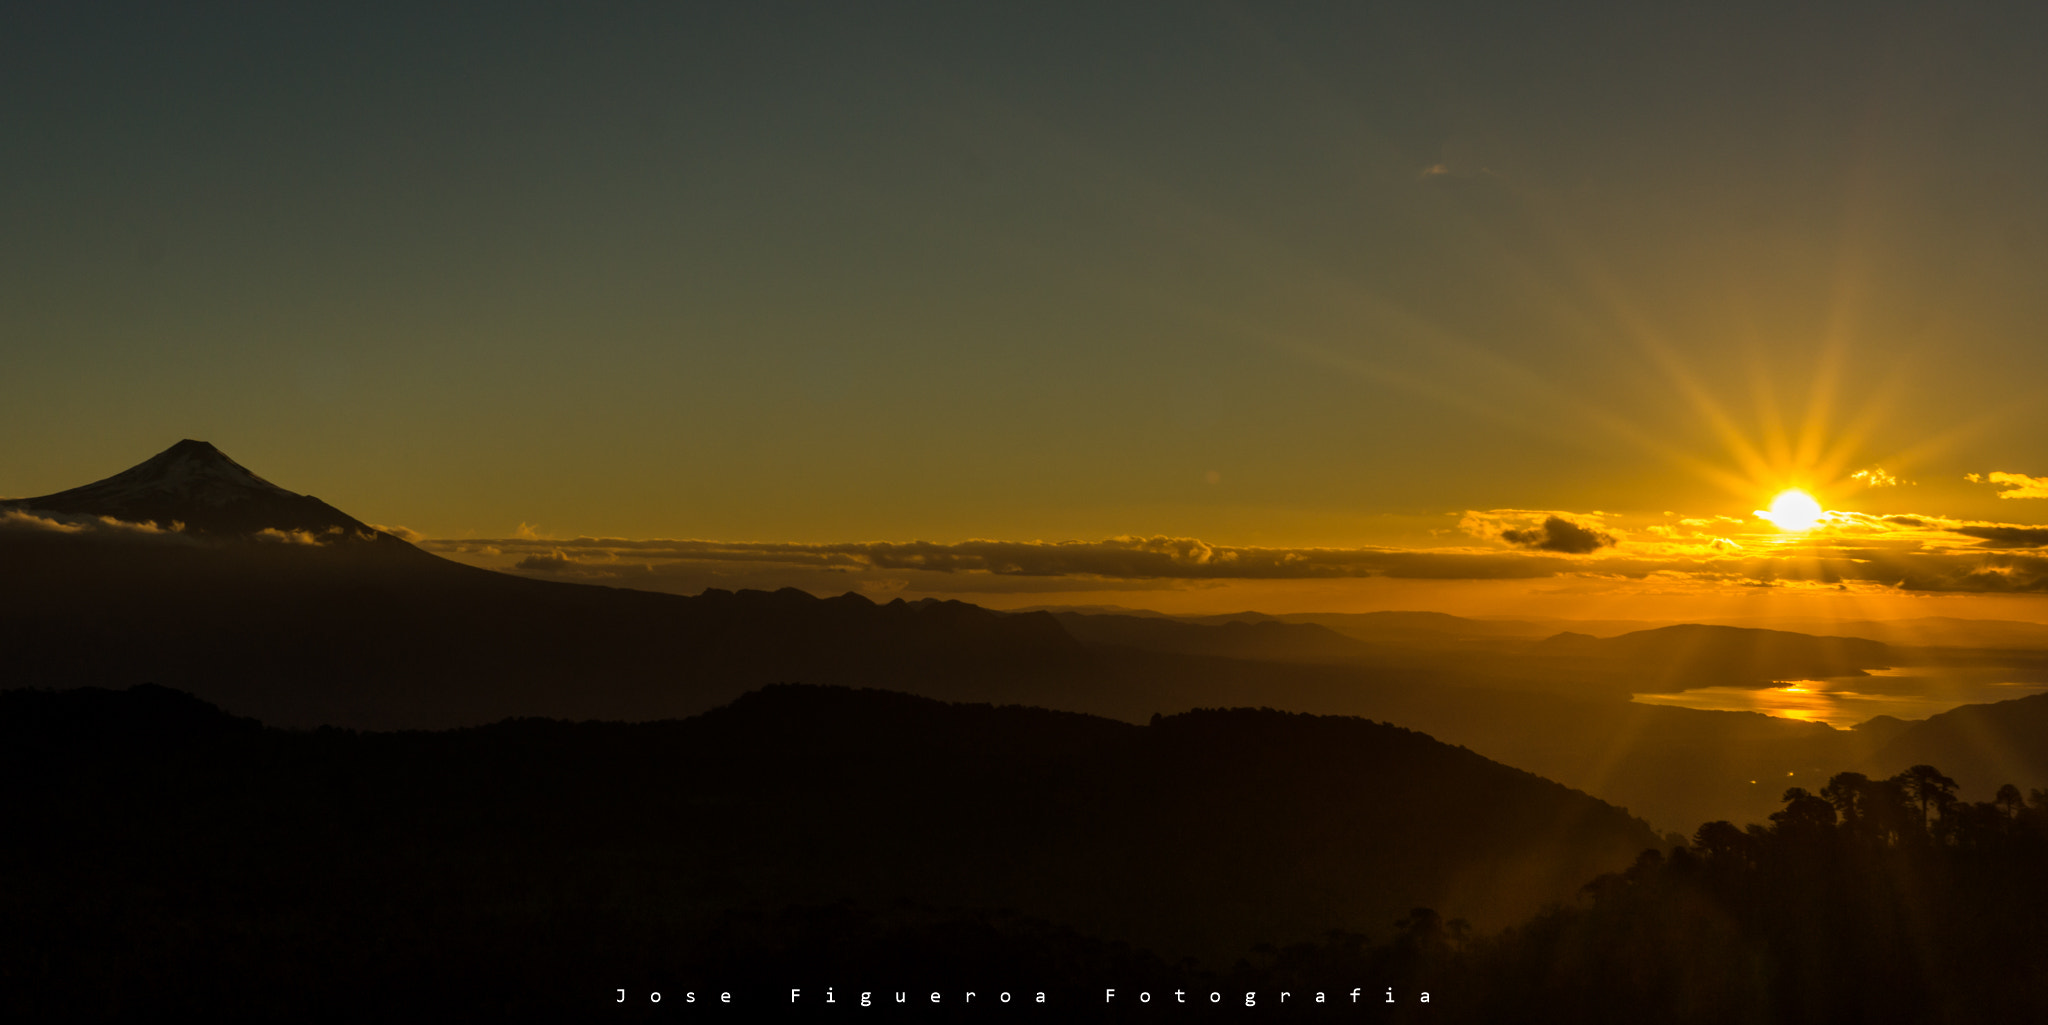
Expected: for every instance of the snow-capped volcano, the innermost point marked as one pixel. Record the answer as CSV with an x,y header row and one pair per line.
x,y
196,485
192,471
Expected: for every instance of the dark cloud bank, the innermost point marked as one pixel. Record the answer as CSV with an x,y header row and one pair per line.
x,y
1558,534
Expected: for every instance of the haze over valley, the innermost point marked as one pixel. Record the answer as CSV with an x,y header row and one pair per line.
x,y
321,619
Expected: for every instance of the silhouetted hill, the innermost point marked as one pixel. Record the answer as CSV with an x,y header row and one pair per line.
x,y
1922,631
276,605
1448,650
238,868
1393,627
1568,645
1268,639
1695,655
1883,729
1982,746
306,635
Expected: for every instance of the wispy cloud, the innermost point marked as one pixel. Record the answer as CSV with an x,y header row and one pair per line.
x,y
20,522
274,535
2013,485
406,534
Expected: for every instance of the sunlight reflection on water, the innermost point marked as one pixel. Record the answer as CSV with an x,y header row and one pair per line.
x,y
1832,702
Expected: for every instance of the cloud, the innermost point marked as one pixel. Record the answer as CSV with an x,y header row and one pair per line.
x,y
406,534
19,522
2017,485
273,535
1988,572
332,535
1120,558
1934,534
1557,534
553,562
1876,477
2005,535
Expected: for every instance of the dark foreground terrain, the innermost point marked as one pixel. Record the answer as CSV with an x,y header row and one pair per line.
x,y
163,854
163,857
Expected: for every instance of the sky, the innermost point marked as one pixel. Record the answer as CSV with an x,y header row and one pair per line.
x,y
1487,308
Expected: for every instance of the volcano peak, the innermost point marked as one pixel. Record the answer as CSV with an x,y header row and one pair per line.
x,y
193,470
196,485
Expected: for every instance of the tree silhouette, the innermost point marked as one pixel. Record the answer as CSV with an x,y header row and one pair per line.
x,y
1724,846
1425,932
1841,911
1849,793
2008,801
1934,792
1874,812
1423,928
1804,815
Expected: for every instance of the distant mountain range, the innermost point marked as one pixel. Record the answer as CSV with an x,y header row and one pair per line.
x,y
1473,653
279,606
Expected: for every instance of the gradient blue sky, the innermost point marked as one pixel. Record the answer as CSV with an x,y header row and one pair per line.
x,y
1320,275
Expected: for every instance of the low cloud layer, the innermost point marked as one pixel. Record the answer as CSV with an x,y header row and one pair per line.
x,y
17,521
1852,551
1133,558
406,534
2005,536
24,522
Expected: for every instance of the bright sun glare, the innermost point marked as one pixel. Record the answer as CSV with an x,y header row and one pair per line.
x,y
1793,509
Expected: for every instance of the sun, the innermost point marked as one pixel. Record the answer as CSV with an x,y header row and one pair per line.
x,y
1793,509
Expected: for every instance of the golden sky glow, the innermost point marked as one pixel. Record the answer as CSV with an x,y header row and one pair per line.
x,y
1314,306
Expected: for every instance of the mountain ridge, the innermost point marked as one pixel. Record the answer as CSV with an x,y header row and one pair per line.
x,y
792,793
195,488
388,636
